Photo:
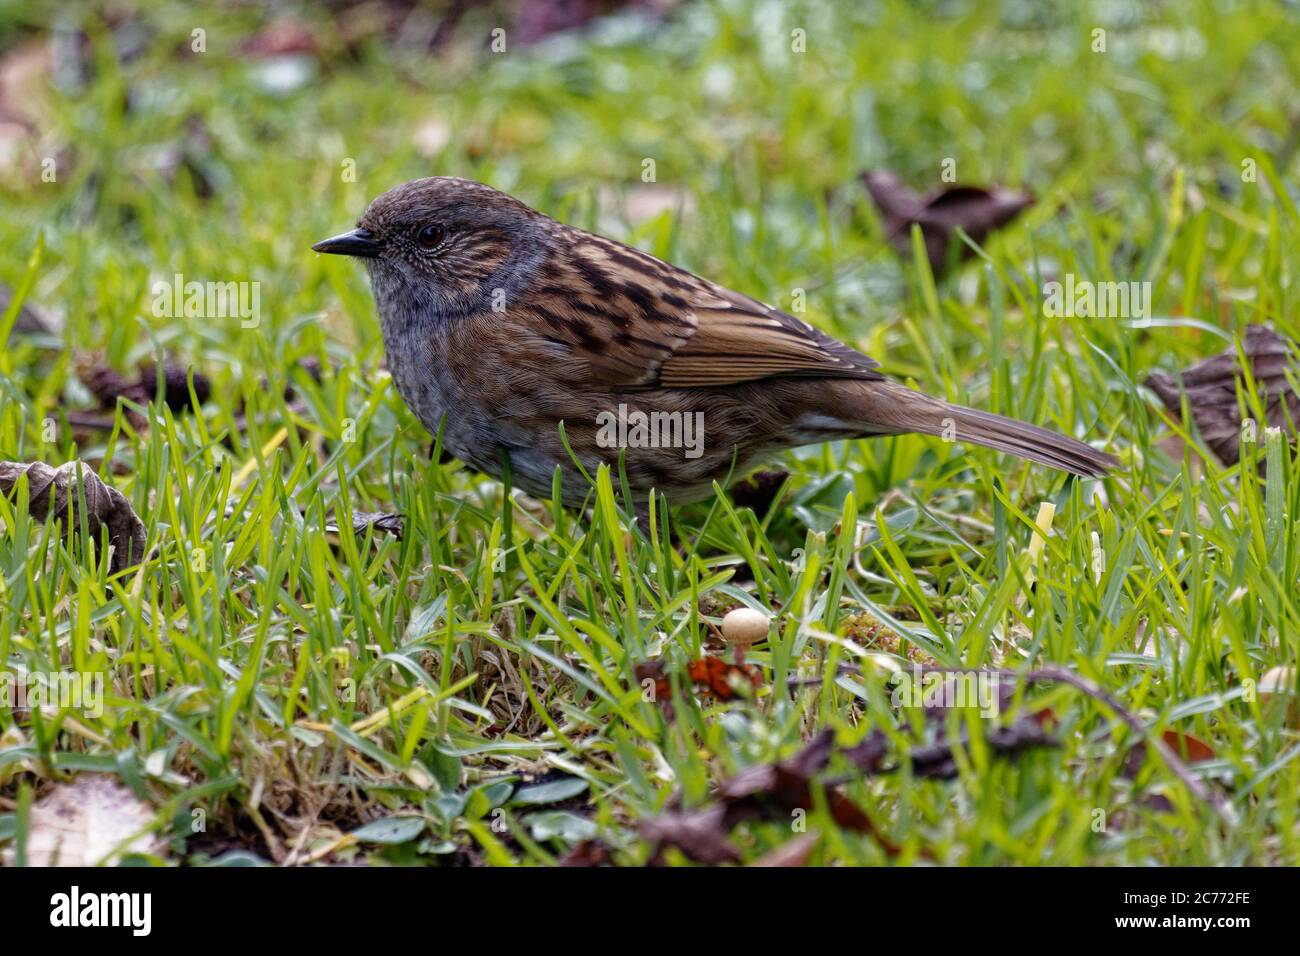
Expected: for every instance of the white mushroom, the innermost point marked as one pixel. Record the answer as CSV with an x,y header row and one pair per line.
x,y
1277,685
744,627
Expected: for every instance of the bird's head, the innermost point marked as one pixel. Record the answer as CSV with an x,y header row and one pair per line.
x,y
443,244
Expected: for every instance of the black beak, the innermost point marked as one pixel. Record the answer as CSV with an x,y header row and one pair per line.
x,y
358,242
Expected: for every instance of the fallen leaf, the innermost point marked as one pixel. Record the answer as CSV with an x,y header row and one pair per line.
x,y
714,677
765,790
700,834
1192,749
774,790
106,384
379,520
1211,387
55,490
588,853
793,852
1156,802
109,386
938,762
869,756
1185,746
711,676
785,781
976,210
32,319
176,384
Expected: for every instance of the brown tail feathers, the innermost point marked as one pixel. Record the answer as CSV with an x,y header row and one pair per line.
x,y
901,409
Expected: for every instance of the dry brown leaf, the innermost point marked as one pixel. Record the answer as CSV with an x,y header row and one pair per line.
x,y
979,212
793,852
1192,749
54,491
1211,388
379,520
32,319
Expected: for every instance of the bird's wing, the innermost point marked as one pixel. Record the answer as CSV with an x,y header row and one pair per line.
x,y
624,319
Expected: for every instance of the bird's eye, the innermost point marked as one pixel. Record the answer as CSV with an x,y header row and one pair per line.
x,y
429,236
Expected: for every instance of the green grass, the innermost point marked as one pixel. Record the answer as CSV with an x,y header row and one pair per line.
x,y
295,684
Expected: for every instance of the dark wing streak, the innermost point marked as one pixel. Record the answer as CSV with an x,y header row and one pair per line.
x,y
665,327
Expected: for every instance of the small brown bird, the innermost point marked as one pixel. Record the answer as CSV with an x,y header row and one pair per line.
x,y
506,323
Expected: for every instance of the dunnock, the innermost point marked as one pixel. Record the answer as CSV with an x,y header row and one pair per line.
x,y
506,323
